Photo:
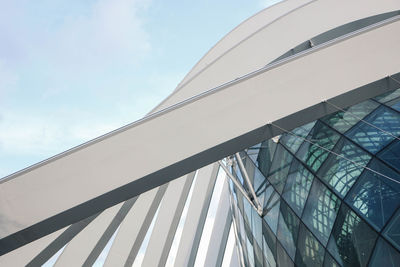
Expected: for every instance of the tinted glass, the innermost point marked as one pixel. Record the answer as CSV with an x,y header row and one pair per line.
x,y
280,168
293,142
392,231
387,125
374,196
384,255
342,121
297,187
340,172
271,208
310,253
288,227
352,239
321,210
391,155
320,136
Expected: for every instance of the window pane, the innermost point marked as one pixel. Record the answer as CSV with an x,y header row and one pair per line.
x,y
391,155
288,227
293,142
269,249
322,136
283,258
321,210
375,197
271,208
265,156
385,255
310,252
297,187
342,121
352,239
280,168
392,231
329,261
388,96
371,138
339,173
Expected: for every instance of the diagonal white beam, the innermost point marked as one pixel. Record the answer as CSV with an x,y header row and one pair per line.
x,y
134,227
196,216
167,221
220,231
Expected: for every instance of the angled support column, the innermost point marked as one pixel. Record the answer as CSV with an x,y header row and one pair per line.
x,y
134,227
196,216
167,221
220,231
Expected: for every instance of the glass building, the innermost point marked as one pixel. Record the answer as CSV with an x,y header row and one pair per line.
x,y
330,191
281,147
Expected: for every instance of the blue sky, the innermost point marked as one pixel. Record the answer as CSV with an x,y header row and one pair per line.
x,y
73,70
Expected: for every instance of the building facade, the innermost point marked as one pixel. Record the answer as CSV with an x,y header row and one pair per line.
x,y
281,147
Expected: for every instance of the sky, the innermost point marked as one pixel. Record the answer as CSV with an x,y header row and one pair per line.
x,y
73,70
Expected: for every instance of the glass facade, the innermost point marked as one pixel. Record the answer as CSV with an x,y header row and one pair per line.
x,y
330,191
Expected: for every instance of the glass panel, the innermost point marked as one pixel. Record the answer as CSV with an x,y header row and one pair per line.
x,y
392,231
292,142
388,96
269,245
375,197
322,136
283,258
297,187
330,261
265,156
271,208
280,168
288,227
339,173
373,139
342,121
391,155
321,210
395,104
310,252
384,255
352,239
257,237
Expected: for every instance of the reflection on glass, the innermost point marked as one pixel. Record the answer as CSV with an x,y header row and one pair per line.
x,y
297,187
387,125
329,261
265,156
288,227
271,208
321,136
352,239
388,96
342,121
283,257
391,155
269,249
385,255
375,197
293,142
320,212
392,231
280,168
341,173
310,253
